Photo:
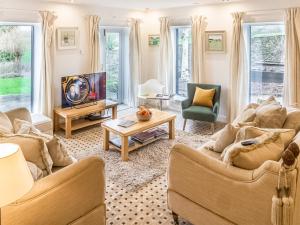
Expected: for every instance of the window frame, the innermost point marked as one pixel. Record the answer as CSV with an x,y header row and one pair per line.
x,y
248,26
33,57
121,31
174,31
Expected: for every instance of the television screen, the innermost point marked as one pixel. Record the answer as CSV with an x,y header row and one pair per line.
x,y
83,89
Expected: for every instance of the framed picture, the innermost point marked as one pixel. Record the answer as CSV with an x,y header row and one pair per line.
x,y
154,40
215,41
67,38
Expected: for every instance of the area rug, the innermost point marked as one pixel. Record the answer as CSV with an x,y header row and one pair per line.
x,y
144,165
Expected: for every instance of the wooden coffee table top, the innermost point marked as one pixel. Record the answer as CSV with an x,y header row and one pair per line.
x,y
158,118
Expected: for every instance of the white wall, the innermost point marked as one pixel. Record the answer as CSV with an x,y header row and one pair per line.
x,y
218,18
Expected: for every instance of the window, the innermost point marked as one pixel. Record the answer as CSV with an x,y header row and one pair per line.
x,y
16,70
113,40
266,61
183,60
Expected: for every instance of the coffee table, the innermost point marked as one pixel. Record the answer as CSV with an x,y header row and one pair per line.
x,y
158,118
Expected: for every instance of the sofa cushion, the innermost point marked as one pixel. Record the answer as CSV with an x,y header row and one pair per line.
x,y
246,133
268,101
6,126
269,146
271,116
19,113
59,155
35,171
204,97
199,113
293,120
225,138
33,148
248,115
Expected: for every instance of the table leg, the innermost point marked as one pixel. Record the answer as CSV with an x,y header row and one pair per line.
x,y
55,122
114,112
68,127
172,129
106,139
160,104
124,148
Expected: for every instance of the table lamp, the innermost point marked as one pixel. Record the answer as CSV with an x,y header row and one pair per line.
x,y
15,176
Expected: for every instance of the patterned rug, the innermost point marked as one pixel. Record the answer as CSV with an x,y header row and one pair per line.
x,y
144,164
136,191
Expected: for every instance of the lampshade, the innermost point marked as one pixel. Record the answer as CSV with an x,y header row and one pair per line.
x,y
15,176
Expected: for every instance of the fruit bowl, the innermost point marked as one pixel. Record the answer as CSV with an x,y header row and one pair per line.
x,y
144,114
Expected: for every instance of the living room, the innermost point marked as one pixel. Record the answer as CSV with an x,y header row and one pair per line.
x,y
149,112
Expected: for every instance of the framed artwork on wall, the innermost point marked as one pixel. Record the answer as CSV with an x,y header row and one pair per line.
x,y
154,40
67,38
215,41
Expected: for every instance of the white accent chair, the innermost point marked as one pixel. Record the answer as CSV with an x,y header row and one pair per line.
x,y
149,90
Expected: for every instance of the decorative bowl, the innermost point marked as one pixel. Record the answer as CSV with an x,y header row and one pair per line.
x,y
143,117
144,114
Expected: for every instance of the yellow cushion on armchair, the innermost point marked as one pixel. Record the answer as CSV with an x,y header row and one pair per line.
x,y
204,97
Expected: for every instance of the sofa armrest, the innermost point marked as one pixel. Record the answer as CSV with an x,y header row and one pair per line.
x,y
186,103
216,108
62,197
199,159
208,182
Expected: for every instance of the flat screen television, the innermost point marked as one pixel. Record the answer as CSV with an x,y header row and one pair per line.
x,y
83,89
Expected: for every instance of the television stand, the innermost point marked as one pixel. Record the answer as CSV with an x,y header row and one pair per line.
x,y
84,105
72,116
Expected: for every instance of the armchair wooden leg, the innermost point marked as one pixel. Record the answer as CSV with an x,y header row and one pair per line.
x,y
175,218
184,124
212,128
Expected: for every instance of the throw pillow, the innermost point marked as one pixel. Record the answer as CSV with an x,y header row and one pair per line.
x,y
35,171
268,147
5,125
33,148
204,97
59,155
268,101
246,133
293,120
247,115
226,137
271,116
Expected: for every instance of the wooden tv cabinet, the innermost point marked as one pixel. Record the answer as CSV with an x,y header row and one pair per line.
x,y
73,116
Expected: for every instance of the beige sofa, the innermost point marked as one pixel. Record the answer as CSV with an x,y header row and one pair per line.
x,y
205,191
72,195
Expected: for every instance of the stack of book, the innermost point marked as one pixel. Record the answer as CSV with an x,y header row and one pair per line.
x,y
149,135
117,142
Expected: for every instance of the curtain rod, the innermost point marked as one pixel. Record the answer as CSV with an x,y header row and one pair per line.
x,y
265,10
24,10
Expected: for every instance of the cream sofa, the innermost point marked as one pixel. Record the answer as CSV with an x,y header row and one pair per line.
x,y
72,195
205,191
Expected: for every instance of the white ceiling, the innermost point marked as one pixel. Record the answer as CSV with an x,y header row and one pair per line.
x,y
143,4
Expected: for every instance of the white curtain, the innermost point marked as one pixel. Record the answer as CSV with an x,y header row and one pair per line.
x,y
292,73
45,100
135,61
198,46
165,73
94,44
239,80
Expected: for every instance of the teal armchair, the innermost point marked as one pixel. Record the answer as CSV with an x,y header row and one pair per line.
x,y
201,113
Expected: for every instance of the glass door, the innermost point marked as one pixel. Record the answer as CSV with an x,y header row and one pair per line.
x,y
112,56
